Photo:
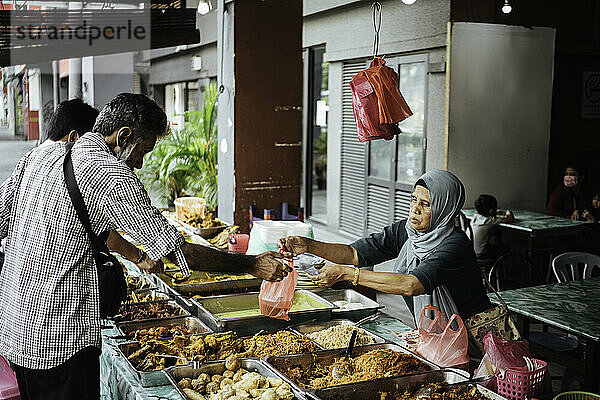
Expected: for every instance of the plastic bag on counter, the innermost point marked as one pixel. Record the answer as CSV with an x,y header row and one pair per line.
x,y
377,102
276,298
501,354
442,342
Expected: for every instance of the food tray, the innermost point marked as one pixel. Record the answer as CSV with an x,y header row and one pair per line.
x,y
176,373
128,328
181,300
158,295
147,283
206,233
306,329
250,325
282,363
211,288
371,390
370,307
183,312
146,379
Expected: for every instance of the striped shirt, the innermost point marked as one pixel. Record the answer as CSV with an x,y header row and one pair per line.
x,y
49,298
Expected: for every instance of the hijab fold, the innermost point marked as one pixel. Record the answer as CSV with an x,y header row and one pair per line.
x,y
447,197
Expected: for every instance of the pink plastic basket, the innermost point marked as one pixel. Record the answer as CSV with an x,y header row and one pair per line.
x,y
238,243
517,385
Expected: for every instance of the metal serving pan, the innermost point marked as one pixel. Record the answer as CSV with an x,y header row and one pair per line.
x,y
306,329
192,323
146,379
177,373
181,300
283,363
157,295
206,233
371,390
209,306
211,288
182,312
370,307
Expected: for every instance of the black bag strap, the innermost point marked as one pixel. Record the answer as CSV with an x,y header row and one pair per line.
x,y
77,199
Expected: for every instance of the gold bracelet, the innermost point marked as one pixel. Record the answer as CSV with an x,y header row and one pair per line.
x,y
356,276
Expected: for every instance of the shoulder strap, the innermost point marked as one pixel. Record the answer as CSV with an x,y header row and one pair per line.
x,y
77,199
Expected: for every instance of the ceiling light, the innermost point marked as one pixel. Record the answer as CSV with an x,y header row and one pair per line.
x,y
204,7
409,2
506,8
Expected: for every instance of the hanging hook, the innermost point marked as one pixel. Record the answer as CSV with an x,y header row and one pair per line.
x,y
376,6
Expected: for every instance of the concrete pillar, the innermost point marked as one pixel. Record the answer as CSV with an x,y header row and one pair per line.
x,y
75,78
55,84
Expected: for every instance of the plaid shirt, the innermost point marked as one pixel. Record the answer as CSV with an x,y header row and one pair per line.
x,y
49,300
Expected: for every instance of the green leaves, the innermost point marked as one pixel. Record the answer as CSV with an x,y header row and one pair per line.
x,y
185,162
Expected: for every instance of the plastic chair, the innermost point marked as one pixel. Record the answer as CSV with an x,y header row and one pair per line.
x,y
463,223
566,266
513,271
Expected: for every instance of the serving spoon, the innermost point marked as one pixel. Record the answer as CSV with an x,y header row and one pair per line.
x,y
347,353
426,391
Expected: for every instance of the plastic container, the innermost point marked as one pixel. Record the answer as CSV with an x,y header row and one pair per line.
x,y
238,243
188,207
297,228
518,385
577,396
9,388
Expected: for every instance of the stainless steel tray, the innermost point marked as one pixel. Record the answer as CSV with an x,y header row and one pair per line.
x,y
192,323
146,281
283,363
181,300
146,379
212,288
177,373
370,307
306,329
206,233
208,306
183,313
371,390
157,295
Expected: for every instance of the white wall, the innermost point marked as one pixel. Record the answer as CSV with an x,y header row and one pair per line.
x,y
500,106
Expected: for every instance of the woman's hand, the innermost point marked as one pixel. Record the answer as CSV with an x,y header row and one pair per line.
x,y
587,216
331,274
293,245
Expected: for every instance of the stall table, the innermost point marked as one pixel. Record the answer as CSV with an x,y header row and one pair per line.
x,y
573,307
117,382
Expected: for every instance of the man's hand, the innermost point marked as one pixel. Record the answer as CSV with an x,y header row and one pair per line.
x,y
331,274
149,265
587,216
270,267
575,215
293,245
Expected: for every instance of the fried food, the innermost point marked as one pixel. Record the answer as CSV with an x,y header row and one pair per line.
x,y
207,220
278,344
132,312
439,392
162,331
220,240
337,337
250,385
136,297
374,364
136,282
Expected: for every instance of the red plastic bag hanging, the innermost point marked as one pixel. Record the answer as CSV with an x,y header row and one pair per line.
x,y
377,102
439,342
276,298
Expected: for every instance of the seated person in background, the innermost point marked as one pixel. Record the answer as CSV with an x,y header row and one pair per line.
x,y
72,119
593,214
485,227
570,199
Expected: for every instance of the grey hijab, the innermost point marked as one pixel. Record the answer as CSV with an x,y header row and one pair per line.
x,y
447,195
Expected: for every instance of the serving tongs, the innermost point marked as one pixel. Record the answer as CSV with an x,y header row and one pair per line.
x,y
426,391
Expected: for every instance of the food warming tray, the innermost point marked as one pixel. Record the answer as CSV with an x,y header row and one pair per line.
x,y
182,312
178,372
371,390
210,288
283,363
308,328
208,306
370,307
192,323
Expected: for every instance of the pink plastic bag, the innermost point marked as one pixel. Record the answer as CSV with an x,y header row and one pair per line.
x,y
276,298
502,354
439,342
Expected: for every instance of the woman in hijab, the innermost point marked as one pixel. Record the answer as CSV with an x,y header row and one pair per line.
x,y
435,261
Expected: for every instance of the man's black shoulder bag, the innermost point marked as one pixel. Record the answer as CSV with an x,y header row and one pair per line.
x,y
111,280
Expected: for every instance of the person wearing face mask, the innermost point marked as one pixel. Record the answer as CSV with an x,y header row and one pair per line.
x,y
49,296
570,199
435,261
